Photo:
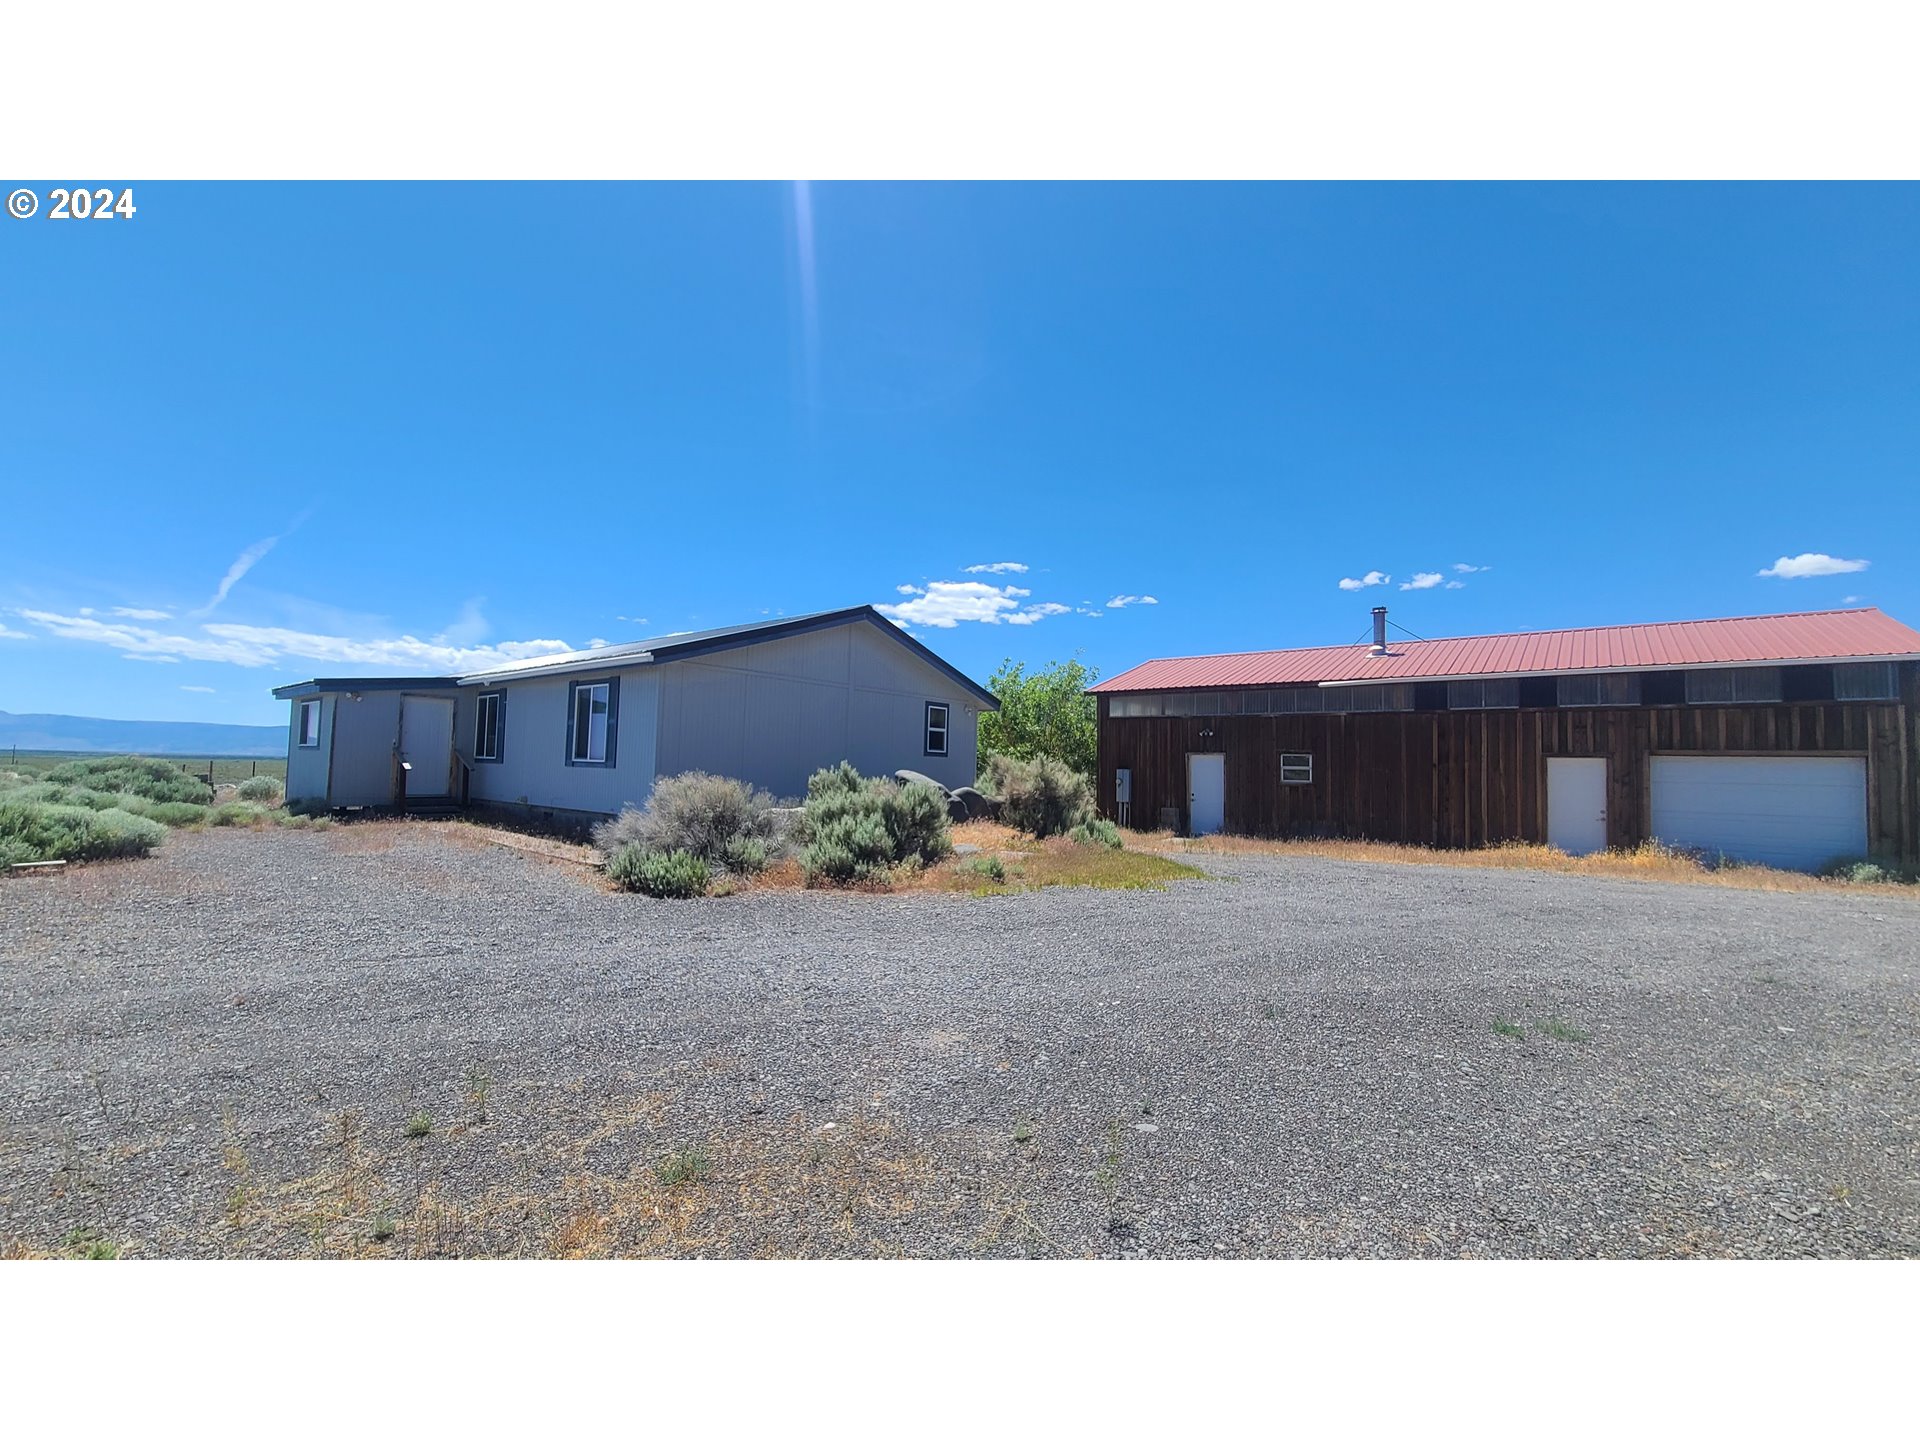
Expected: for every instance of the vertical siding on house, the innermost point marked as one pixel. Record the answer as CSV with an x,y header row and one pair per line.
x,y
533,768
307,766
774,712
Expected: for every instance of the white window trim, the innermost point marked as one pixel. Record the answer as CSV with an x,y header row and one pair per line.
x,y
573,723
1296,768
497,697
945,727
304,743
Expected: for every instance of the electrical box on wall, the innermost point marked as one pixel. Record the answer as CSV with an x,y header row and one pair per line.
x,y
1123,797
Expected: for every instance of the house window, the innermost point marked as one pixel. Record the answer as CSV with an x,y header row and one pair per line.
x,y
1599,690
1747,685
1483,694
309,724
1874,681
1296,769
936,728
486,726
590,724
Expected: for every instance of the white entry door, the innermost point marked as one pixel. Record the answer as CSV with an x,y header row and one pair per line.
x,y
426,744
1794,811
1576,804
1206,794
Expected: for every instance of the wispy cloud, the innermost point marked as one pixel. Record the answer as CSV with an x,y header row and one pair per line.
x,y
1033,614
126,612
6,634
1471,569
198,689
1371,578
1456,584
1802,567
1120,602
258,646
907,589
242,563
469,628
998,567
1424,580
632,619
1852,599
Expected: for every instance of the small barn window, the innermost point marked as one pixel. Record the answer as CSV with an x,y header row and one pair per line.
x,y
1483,694
1599,690
592,711
486,726
1376,697
936,728
309,724
1873,681
1746,685
1296,769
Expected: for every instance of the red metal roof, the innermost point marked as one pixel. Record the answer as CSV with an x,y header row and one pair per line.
x,y
1817,635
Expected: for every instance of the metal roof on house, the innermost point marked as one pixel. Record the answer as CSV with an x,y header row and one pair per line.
x,y
1860,634
681,646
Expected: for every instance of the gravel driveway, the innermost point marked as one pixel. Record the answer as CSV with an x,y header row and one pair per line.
x,y
217,1052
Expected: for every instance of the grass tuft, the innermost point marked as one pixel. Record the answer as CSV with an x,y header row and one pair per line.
x,y
1512,1029
687,1165
1562,1029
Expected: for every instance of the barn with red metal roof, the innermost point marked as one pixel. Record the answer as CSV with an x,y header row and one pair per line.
x,y
1778,739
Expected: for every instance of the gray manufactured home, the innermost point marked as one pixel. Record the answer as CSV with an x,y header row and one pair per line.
x,y
575,736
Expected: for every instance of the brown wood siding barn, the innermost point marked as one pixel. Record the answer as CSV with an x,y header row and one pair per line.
x,y
1462,778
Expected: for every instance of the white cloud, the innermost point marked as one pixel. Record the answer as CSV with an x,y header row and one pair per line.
x,y
907,589
1423,580
1471,569
999,567
943,604
598,644
242,563
257,646
1844,600
1372,577
198,689
6,634
152,659
133,613
632,619
1456,584
1801,567
1120,602
1033,614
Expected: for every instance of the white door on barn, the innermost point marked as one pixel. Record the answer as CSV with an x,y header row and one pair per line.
x,y
426,744
1206,794
1576,804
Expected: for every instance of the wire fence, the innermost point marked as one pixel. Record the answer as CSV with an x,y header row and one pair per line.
x,y
214,769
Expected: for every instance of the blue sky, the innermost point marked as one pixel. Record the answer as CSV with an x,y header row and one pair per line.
x,y
262,432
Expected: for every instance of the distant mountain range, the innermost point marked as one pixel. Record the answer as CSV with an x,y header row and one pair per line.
x,y
139,737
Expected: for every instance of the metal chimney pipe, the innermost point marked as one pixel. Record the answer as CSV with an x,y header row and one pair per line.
x,y
1379,630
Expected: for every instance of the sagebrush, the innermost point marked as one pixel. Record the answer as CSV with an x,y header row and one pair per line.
x,y
263,788
696,812
1041,796
859,828
32,831
132,775
666,875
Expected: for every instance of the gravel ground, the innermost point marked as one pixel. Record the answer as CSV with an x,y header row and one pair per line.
x,y
216,1052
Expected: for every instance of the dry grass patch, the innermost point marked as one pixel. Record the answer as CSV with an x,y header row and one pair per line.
x,y
1650,861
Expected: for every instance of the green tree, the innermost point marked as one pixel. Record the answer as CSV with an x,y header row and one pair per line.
x,y
1045,713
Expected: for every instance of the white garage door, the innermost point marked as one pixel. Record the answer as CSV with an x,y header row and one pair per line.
x,y
1796,812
